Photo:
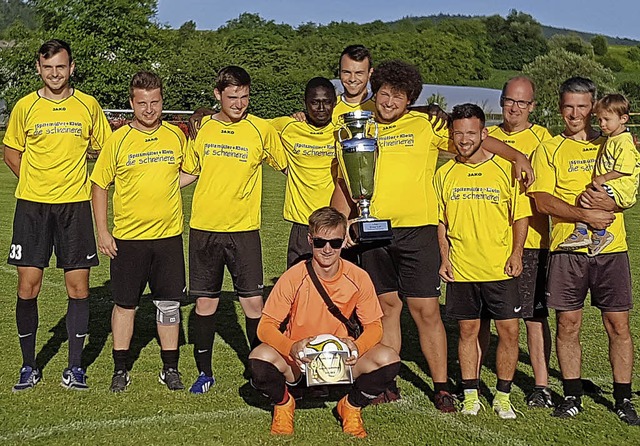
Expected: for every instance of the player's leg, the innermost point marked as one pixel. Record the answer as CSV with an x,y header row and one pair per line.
x,y
374,373
206,273
611,292
418,260
298,248
244,261
30,250
270,373
567,285
76,253
392,310
168,286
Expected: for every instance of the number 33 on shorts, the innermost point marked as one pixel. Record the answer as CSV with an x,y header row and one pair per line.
x,y
15,252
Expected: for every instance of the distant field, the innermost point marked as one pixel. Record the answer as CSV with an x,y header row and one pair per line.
x,y
232,413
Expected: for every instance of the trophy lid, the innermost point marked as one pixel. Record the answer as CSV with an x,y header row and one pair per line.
x,y
357,114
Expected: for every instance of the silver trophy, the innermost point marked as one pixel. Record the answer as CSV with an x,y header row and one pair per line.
x,y
357,159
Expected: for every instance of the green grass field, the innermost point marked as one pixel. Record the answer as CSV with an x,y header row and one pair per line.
x,y
232,413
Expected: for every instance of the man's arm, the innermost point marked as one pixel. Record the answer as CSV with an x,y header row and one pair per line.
x,y
513,267
13,159
186,179
523,169
597,198
446,269
196,118
554,206
613,175
100,202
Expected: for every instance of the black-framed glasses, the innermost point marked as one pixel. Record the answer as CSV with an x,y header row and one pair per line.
x,y
508,102
319,242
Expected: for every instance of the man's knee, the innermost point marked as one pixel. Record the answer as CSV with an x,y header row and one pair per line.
x,y
167,312
617,325
568,325
206,306
381,355
508,330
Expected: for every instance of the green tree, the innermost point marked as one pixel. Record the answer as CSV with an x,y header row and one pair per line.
x,y
16,11
633,53
600,45
550,70
515,41
572,43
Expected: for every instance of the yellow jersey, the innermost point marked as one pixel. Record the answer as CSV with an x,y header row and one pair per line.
x,y
53,137
564,169
619,153
228,156
526,141
144,167
479,204
343,107
310,155
403,185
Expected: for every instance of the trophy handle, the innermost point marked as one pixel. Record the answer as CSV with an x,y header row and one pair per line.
x,y
373,122
346,129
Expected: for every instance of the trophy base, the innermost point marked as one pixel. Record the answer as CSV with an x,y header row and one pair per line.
x,y
363,231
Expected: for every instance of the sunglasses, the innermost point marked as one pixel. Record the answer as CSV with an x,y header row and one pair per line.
x,y
319,242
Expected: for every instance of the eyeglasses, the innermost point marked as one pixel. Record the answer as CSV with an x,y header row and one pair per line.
x,y
319,242
508,102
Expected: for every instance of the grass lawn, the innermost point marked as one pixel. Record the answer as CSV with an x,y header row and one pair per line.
x,y
232,413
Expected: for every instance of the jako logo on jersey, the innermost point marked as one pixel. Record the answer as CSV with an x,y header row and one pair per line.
x,y
589,149
59,109
475,174
230,132
151,139
510,142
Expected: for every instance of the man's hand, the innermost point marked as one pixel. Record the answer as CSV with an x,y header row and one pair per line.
x,y
107,244
446,271
524,171
348,241
195,119
595,197
353,352
437,116
513,267
297,351
599,219
299,116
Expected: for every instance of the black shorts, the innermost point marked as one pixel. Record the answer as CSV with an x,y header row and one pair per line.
x,y
298,248
607,276
497,300
39,228
532,283
209,252
160,263
407,264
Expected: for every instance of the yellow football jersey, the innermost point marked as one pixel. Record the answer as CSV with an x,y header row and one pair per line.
x,y
343,107
144,167
619,153
479,204
564,169
408,153
310,155
53,137
526,141
228,156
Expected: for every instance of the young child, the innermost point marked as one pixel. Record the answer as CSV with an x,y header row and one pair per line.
x,y
617,170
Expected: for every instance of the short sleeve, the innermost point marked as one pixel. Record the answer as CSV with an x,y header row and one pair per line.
x,y
544,171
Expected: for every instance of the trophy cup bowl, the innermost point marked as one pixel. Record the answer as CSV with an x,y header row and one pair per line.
x,y
357,159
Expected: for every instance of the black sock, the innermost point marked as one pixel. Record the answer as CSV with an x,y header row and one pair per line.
x,y
621,391
120,360
266,378
504,386
572,387
205,332
440,387
369,385
252,331
470,384
170,359
77,328
27,322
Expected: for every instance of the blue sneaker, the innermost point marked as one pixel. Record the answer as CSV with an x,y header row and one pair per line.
x,y
74,378
29,377
202,384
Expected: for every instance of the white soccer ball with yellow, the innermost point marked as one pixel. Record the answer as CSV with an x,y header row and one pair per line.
x,y
327,354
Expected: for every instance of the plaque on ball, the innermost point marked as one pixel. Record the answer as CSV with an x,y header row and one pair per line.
x,y
357,159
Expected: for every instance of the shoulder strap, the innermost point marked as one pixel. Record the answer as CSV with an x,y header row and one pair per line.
x,y
333,309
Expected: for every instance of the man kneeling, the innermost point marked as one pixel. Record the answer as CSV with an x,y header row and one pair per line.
x,y
281,357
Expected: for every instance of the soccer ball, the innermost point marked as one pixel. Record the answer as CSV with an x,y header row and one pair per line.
x,y
327,354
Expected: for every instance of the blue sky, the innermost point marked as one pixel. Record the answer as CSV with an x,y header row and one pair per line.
x,y
584,15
